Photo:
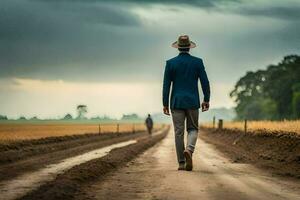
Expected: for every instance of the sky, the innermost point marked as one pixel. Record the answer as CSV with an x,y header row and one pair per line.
x,y
110,55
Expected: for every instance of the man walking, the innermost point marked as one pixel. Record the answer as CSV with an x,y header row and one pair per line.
x,y
149,124
183,72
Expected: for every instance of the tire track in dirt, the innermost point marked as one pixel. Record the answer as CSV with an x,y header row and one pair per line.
x,y
18,150
12,189
69,183
43,153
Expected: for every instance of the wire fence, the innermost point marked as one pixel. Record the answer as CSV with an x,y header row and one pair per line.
x,y
291,126
12,132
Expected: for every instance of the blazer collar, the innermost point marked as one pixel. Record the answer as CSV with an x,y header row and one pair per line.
x,y
184,53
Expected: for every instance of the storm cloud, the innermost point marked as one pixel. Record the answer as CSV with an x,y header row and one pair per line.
x,y
289,9
100,40
37,35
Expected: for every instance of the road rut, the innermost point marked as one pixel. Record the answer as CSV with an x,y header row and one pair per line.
x,y
154,175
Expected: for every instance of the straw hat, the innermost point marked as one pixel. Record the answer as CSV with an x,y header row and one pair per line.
x,y
183,42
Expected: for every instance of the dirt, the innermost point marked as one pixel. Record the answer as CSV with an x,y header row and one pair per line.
x,y
16,150
229,166
277,153
32,155
154,175
70,184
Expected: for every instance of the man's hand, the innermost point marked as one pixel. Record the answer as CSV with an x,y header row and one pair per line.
x,y
205,106
166,110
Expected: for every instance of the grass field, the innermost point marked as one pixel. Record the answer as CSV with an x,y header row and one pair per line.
x,y
24,131
267,126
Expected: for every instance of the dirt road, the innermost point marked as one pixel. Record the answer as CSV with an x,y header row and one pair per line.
x,y
64,178
154,175
30,157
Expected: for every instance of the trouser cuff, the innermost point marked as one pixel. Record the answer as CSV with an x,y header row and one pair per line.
x,y
190,148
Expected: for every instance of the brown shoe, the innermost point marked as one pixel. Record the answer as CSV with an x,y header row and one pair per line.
x,y
188,160
181,166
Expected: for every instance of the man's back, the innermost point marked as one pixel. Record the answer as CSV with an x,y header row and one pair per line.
x,y
183,71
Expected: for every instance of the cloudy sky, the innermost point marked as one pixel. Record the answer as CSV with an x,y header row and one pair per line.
x,y
110,55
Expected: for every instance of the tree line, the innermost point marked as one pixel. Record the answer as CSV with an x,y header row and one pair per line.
x,y
270,94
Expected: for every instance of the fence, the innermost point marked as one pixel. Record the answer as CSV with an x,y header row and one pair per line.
x,y
119,128
221,124
292,126
21,131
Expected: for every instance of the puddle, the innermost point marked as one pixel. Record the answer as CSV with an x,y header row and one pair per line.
x,y
25,183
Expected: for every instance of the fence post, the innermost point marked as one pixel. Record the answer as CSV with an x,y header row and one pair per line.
x,y
214,122
133,128
220,124
245,126
99,130
117,128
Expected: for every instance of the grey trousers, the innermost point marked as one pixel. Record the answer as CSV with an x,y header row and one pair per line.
x,y
179,117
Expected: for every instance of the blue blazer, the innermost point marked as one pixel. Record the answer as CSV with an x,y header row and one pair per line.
x,y
184,71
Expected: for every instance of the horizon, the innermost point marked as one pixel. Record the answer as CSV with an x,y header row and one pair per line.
x,y
92,117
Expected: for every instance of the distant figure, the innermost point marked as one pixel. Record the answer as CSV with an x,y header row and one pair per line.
x,y
149,124
184,72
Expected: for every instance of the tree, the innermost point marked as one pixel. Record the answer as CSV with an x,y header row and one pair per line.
x,y
270,93
279,84
130,117
68,117
247,95
22,118
34,118
3,117
81,110
296,101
